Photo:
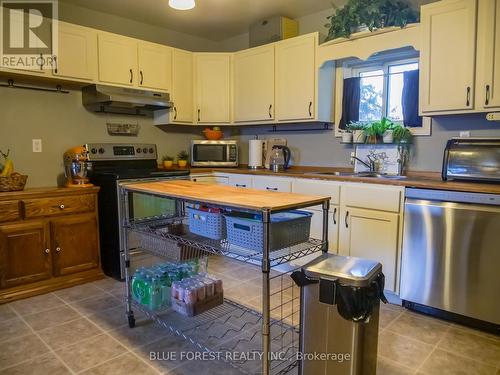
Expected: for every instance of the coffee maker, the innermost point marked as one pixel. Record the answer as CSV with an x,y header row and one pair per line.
x,y
77,167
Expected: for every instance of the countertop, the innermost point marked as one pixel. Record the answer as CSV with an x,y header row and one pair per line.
x,y
427,180
228,196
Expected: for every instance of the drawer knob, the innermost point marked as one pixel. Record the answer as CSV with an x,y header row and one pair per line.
x,y
58,249
61,206
47,251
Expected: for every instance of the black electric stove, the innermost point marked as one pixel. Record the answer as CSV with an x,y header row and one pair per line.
x,y
113,164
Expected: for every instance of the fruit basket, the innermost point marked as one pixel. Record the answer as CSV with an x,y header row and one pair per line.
x,y
212,134
14,182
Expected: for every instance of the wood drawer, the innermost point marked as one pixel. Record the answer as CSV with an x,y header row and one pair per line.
x,y
58,206
374,197
9,211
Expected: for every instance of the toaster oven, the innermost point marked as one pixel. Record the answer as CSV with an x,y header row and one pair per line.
x,y
223,153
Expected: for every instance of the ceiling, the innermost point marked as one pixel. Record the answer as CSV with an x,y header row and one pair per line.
x,y
212,19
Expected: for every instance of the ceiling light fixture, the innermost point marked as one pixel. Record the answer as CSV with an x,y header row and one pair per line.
x,y
181,4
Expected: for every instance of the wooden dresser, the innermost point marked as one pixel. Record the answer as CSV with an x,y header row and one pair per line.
x,y
49,239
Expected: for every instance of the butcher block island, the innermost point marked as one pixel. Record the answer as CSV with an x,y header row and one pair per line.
x,y
265,228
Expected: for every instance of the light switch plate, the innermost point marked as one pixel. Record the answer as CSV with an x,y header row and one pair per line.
x,y
37,145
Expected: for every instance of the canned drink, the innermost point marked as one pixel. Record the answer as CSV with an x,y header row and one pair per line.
x,y
209,287
201,291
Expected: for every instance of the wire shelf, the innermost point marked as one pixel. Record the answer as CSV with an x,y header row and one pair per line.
x,y
232,328
155,236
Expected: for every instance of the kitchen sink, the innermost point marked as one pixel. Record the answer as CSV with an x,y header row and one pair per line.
x,y
359,174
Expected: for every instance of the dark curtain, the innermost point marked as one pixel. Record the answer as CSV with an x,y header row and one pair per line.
x,y
350,101
410,99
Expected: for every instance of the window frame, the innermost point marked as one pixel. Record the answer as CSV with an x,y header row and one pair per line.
x,y
354,70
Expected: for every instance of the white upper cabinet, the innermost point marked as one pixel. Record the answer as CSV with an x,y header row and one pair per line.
x,y
447,56
488,58
213,87
253,80
182,87
155,66
77,53
296,78
117,59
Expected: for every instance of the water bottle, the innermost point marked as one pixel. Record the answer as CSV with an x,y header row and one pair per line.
x,y
155,301
138,285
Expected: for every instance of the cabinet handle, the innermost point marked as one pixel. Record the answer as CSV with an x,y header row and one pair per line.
x,y
55,62
335,216
487,101
240,185
270,109
142,76
175,113
131,76
346,218
199,111
271,188
62,206
47,251
468,96
310,108
58,249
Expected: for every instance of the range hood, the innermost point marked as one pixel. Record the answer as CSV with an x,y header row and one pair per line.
x,y
120,100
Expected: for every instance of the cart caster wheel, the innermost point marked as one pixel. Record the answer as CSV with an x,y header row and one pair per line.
x,y
131,321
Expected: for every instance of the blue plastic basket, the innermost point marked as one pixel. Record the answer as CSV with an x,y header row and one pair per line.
x,y
287,229
206,224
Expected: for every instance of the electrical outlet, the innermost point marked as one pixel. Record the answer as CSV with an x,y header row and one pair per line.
x,y
37,145
465,134
353,154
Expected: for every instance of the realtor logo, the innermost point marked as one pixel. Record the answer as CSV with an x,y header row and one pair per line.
x,y
28,34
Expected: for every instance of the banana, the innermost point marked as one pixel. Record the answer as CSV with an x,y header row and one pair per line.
x,y
7,169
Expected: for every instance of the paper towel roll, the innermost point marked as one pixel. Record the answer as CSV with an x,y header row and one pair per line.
x,y
255,153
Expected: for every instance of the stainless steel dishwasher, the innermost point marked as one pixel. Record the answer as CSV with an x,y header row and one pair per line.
x,y
451,255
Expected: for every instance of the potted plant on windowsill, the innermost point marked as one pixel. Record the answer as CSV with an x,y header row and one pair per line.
x,y
168,161
182,158
358,131
401,134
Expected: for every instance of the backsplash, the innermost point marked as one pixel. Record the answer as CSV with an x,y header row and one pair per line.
x,y
322,148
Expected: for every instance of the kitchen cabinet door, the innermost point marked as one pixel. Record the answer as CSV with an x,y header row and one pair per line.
x,y
182,86
155,66
213,87
77,53
488,58
253,80
447,56
117,56
371,235
74,244
25,256
296,78
333,232
272,184
241,181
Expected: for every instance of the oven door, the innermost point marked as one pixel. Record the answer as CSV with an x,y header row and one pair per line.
x,y
214,154
142,206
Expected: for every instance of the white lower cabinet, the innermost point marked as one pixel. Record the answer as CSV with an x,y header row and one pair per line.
x,y
241,181
210,179
333,232
272,184
371,235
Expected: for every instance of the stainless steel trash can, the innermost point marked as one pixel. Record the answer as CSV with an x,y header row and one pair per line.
x,y
340,300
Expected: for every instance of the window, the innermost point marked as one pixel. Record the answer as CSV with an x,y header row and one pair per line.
x,y
381,90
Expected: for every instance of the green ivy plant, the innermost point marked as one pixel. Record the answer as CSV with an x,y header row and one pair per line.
x,y
374,14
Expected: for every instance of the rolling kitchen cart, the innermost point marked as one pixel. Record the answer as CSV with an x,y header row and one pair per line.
x,y
231,327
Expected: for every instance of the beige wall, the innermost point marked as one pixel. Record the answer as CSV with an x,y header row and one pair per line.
x,y
61,122
115,24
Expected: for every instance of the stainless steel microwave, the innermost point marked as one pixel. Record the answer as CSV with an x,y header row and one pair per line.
x,y
223,153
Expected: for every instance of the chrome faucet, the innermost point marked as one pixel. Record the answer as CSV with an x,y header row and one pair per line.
x,y
370,165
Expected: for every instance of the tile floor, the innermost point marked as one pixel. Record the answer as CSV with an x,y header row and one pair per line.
x,y
83,330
